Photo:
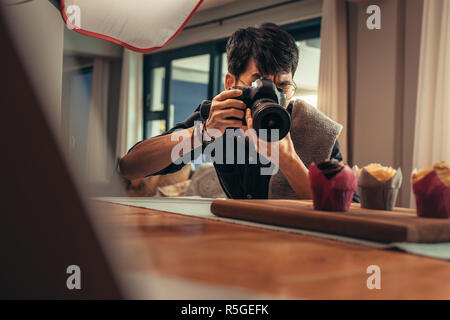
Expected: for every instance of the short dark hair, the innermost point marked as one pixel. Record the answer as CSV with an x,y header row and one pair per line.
x,y
273,49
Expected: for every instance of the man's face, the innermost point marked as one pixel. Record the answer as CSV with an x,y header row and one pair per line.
x,y
252,73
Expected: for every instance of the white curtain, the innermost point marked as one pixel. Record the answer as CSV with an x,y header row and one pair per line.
x,y
333,75
97,146
130,108
432,129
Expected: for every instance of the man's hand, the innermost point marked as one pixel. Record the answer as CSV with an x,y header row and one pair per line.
x,y
225,111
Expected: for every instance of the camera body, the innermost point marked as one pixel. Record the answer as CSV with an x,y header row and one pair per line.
x,y
267,105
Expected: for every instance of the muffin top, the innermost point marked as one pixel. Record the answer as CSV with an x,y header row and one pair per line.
x,y
442,169
330,168
379,172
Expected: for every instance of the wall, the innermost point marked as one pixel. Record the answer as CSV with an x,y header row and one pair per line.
x,y
115,72
38,32
383,68
80,45
80,51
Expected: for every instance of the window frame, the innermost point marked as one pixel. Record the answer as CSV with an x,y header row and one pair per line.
x,y
303,30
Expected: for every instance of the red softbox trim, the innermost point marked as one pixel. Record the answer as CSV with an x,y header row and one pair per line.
x,y
126,45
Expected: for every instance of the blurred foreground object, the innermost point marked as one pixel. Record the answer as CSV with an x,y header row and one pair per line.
x,y
46,226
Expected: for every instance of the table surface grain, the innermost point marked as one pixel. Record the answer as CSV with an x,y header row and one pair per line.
x,y
266,261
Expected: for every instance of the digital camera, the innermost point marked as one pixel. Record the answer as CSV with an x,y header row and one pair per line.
x,y
267,105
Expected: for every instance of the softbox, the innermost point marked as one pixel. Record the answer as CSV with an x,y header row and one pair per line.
x,y
139,25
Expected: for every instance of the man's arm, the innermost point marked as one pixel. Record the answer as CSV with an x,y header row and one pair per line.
x,y
152,155
296,174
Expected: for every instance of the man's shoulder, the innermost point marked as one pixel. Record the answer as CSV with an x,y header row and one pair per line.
x,y
306,114
303,107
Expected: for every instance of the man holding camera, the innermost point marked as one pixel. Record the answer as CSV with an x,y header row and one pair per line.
x,y
266,52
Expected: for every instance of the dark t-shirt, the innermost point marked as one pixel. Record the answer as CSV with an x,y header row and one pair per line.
x,y
239,181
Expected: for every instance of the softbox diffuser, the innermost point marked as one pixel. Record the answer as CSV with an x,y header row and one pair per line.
x,y
139,25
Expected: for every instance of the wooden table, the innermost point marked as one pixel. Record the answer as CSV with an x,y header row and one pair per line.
x,y
266,261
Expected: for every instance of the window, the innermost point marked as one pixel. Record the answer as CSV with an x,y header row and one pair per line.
x,y
189,86
157,124
307,75
175,83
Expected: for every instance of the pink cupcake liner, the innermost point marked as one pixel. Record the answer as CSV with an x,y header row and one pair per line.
x,y
335,194
432,197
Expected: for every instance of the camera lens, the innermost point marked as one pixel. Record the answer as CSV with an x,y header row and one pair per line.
x,y
272,122
270,116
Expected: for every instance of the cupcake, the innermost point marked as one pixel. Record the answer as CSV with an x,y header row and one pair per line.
x,y
332,184
378,186
431,187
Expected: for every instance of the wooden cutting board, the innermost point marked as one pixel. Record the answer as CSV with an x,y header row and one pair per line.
x,y
400,225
